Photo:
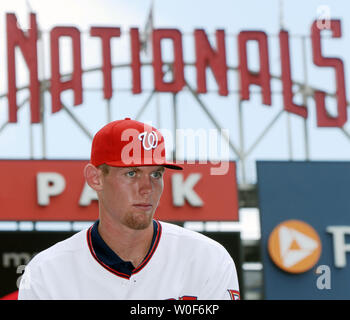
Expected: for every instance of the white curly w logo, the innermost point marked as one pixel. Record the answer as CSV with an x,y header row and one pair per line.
x,y
149,140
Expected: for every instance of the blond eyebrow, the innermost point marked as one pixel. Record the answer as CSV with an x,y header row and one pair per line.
x,y
130,168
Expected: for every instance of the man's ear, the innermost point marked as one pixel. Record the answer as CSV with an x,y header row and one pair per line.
x,y
93,177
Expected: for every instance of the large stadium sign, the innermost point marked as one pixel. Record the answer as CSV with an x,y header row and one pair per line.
x,y
206,56
55,190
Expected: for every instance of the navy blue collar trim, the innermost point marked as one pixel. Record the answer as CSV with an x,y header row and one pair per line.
x,y
106,257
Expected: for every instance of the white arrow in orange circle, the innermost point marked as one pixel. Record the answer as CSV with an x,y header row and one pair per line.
x,y
294,246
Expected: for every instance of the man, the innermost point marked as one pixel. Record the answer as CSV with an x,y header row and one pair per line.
x,y
127,254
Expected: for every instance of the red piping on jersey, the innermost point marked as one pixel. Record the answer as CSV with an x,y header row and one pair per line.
x,y
233,293
140,267
120,274
149,256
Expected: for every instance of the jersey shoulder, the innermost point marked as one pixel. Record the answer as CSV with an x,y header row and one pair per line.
x,y
191,239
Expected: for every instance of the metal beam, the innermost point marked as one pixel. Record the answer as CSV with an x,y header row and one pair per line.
x,y
77,122
213,120
264,132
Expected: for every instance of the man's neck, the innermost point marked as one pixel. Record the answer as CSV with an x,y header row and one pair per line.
x,y
130,245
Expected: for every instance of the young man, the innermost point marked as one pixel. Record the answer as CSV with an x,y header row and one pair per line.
x,y
127,254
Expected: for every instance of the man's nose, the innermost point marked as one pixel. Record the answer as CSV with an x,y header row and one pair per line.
x,y
145,184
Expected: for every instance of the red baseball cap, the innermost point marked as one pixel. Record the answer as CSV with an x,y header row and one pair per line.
x,y
129,143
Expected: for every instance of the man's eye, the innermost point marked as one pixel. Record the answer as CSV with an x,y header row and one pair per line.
x,y
156,174
131,173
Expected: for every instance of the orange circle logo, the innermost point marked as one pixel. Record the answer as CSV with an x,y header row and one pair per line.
x,y
294,246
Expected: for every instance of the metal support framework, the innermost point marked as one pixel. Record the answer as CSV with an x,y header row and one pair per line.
x,y
241,152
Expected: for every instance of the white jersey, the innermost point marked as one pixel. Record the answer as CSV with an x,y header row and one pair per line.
x,y
181,264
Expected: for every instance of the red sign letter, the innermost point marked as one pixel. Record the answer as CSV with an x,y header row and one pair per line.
x,y
57,86
178,64
262,78
27,44
323,118
135,60
106,33
205,56
289,105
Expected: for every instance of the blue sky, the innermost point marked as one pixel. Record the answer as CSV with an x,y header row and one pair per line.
x,y
65,140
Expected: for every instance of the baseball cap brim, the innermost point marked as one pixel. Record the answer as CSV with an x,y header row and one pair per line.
x,y
167,164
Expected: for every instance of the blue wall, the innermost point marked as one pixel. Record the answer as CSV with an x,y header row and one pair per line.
x,y
317,193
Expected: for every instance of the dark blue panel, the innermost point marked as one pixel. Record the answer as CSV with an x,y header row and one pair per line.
x,y
317,193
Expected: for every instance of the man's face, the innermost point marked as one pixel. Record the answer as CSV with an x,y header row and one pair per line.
x,y
131,195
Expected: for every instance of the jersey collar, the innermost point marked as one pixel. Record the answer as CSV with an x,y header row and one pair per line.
x,y
108,259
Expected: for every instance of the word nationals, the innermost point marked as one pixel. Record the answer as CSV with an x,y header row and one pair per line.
x,y
206,56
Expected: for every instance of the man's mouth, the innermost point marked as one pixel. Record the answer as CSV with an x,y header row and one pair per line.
x,y
143,206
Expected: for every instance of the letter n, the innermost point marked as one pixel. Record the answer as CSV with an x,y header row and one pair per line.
x,y
26,41
215,59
